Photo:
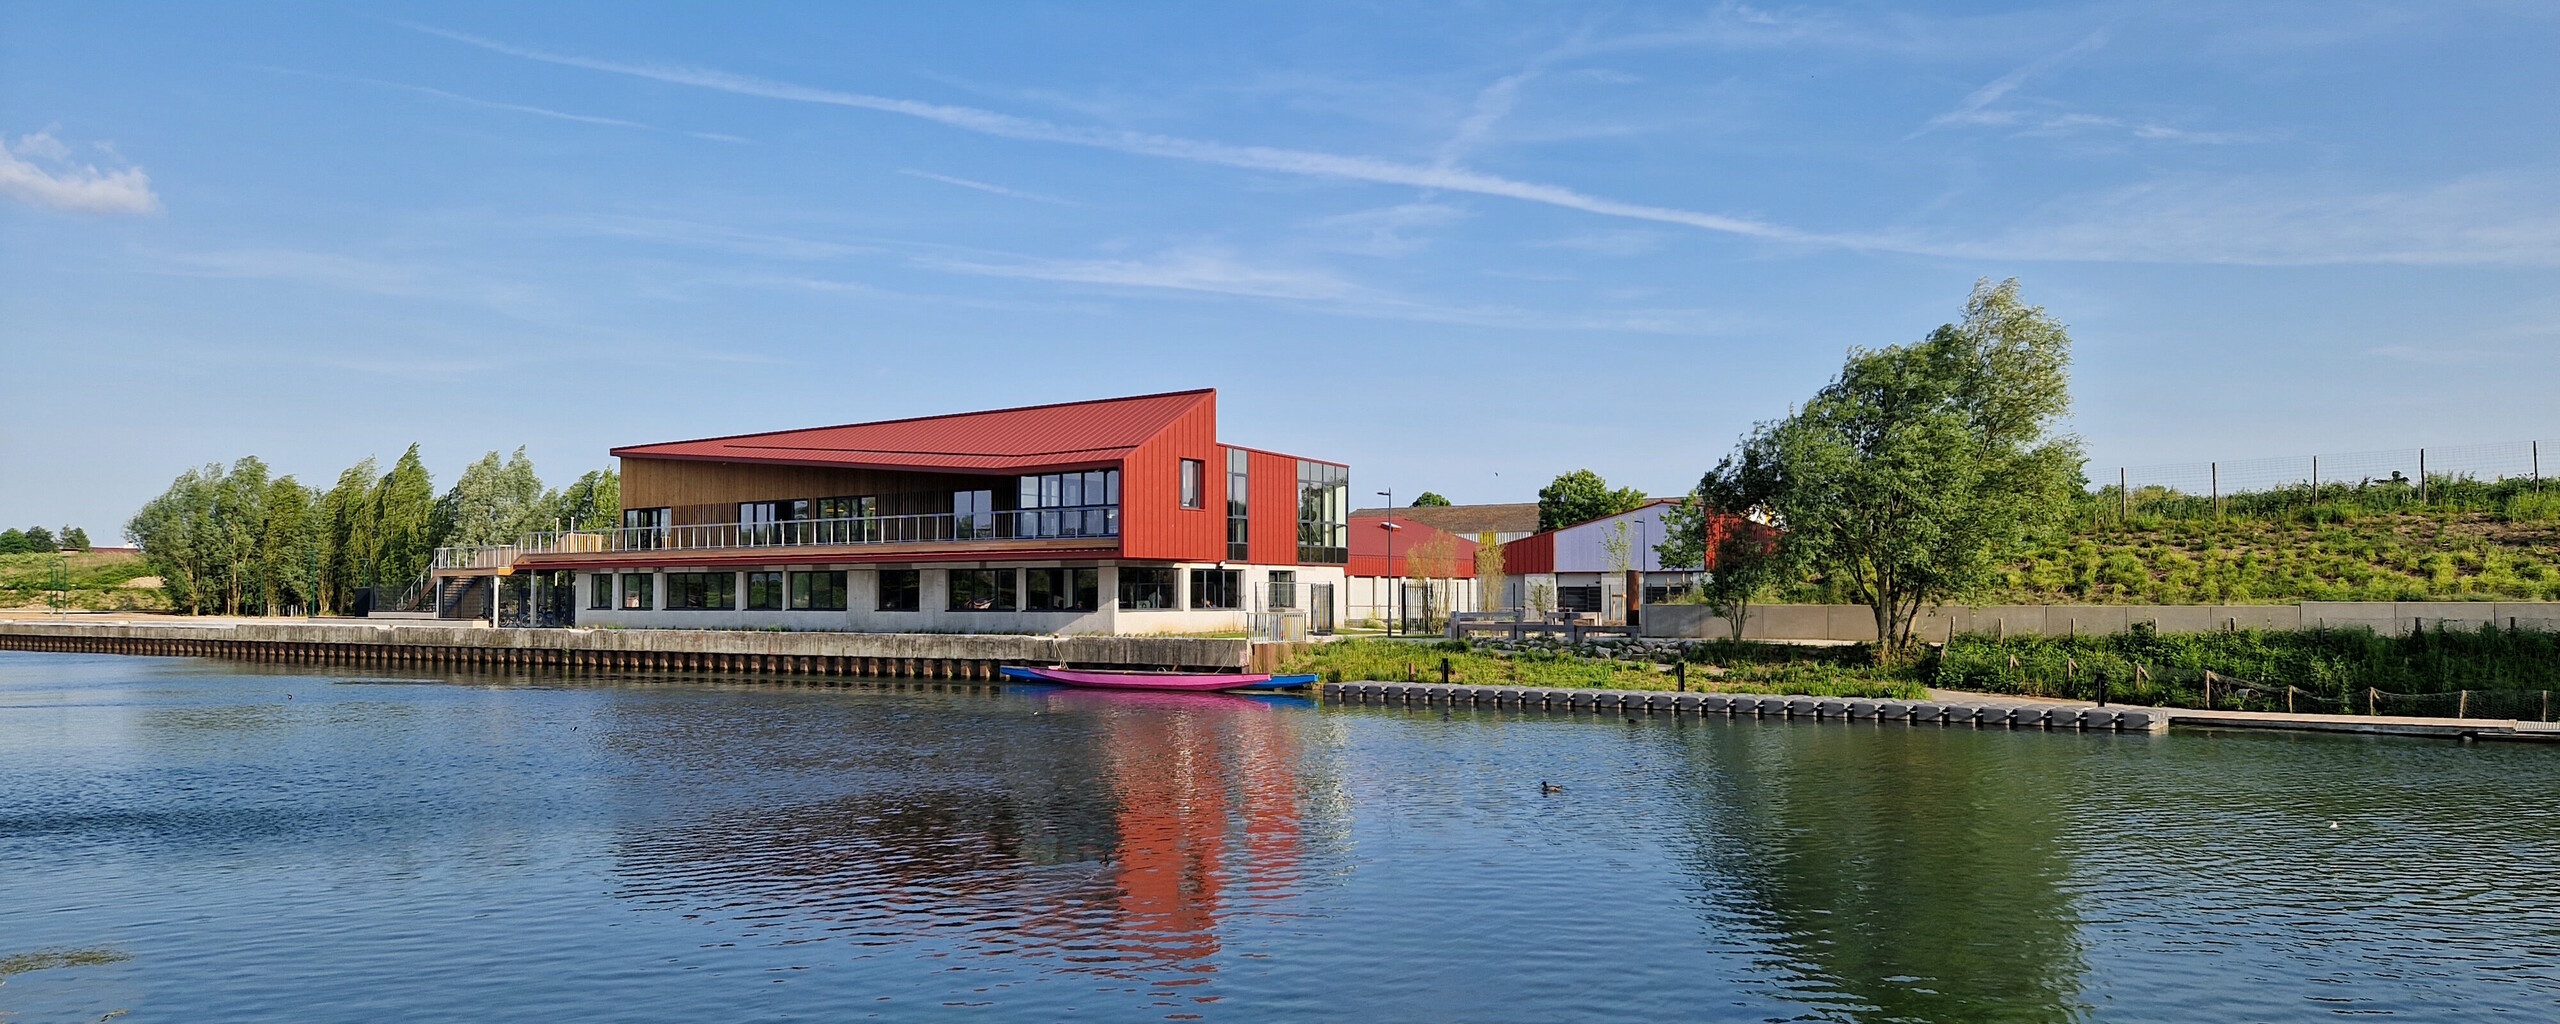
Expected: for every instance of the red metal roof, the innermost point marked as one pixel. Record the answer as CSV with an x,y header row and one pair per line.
x,y
1000,440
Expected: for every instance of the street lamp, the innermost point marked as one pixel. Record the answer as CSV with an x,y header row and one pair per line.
x,y
1389,524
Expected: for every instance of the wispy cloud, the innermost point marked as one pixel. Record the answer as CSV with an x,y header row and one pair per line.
x,y
2493,219
38,169
987,188
487,104
1387,231
1258,158
1975,110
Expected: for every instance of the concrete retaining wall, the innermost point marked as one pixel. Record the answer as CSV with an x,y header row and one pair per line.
x,y
1855,622
898,655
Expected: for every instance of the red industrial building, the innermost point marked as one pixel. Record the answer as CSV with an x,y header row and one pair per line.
x,y
1122,515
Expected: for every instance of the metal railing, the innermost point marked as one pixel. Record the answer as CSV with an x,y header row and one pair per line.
x,y
1094,521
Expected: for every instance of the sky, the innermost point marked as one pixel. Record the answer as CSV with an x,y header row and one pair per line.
x,y
1463,248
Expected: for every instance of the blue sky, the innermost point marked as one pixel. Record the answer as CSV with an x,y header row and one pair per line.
x,y
1464,248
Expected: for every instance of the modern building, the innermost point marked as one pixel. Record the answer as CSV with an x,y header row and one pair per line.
x,y
1435,568
1123,515
1581,569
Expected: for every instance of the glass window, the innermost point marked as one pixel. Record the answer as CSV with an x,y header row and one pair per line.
x,y
1284,589
644,528
1324,513
702,591
817,592
764,591
1239,506
973,514
1069,504
901,590
848,520
1061,590
982,590
639,592
1146,589
600,591
1191,472
1217,589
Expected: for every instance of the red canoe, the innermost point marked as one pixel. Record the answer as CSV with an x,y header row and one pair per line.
x,y
1180,681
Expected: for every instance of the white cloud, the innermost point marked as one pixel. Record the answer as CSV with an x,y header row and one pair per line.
x,y
38,169
1975,110
985,187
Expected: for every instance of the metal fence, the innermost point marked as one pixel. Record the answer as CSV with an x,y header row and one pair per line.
x,y
2451,476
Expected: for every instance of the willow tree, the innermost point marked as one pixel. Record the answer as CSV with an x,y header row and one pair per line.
x,y
402,508
346,534
494,502
1907,478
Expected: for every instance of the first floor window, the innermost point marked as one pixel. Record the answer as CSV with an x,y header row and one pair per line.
x,y
639,591
600,591
1191,483
981,590
1217,589
1284,589
817,592
702,591
1061,590
901,590
1146,589
764,591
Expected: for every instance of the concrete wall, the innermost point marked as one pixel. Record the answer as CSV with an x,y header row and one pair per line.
x,y
1026,650
1855,622
934,614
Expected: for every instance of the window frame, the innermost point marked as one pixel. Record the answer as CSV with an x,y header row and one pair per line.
x,y
1209,585
680,592
799,597
1000,588
642,586
601,596
1082,587
1194,484
911,588
1129,580
771,581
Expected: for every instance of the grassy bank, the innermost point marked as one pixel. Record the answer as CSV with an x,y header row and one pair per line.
x,y
98,581
2326,670
2468,541
1720,667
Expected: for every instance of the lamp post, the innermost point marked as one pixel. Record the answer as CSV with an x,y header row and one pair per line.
x,y
1389,524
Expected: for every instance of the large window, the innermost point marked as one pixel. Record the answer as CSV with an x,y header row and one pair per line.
x,y
772,522
600,591
1061,590
1284,589
973,514
982,590
817,592
1191,473
764,591
1324,513
1085,504
644,527
1147,589
639,591
1217,589
702,591
851,520
901,590
1239,506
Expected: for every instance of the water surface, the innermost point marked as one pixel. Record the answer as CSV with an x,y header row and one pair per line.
x,y
285,844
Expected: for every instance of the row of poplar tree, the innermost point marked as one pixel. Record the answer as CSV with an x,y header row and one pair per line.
x,y
242,541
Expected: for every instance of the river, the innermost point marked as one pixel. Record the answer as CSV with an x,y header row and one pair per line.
x,y
283,844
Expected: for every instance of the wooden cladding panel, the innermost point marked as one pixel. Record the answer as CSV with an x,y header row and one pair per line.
x,y
709,492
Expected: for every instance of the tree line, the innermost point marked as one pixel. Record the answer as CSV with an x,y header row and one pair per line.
x,y
37,539
239,540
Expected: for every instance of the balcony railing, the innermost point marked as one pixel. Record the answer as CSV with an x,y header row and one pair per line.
x,y
1095,521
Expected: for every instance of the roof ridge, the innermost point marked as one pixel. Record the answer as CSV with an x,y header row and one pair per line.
x,y
917,419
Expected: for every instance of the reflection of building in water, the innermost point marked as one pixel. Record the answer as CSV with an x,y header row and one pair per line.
x,y
1192,788
1118,828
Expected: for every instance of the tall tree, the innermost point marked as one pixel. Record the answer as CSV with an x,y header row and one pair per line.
x,y
40,539
75,539
238,521
1430,499
1580,497
346,534
594,502
288,546
13,541
403,511
494,503
1907,477
173,532
1490,576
